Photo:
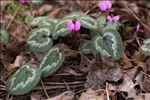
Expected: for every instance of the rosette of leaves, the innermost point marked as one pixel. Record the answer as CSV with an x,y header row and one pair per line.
x,y
51,61
39,39
43,21
145,48
85,47
109,44
23,80
4,36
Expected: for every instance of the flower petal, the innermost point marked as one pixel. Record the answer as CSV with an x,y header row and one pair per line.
x,y
103,6
116,18
70,25
23,2
108,4
109,18
77,25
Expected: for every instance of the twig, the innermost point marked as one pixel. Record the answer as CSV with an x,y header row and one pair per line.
x,y
13,17
68,88
107,91
44,89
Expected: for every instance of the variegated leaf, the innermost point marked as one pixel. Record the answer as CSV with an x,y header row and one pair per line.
x,y
38,39
85,47
43,21
88,22
23,80
108,45
74,15
51,62
61,29
111,25
145,48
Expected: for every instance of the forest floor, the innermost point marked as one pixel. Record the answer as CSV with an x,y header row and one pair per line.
x,y
81,77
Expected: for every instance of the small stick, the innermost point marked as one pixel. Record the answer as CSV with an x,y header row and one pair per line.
x,y
13,17
44,89
107,91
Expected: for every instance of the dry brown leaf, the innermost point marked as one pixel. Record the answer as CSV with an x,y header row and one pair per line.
x,y
127,84
90,95
114,74
36,96
18,61
68,95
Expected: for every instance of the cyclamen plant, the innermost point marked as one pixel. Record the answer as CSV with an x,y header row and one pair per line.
x,y
107,42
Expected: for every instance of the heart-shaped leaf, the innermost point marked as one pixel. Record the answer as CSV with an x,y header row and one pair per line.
x,y
51,61
4,36
61,29
85,47
38,39
23,80
108,45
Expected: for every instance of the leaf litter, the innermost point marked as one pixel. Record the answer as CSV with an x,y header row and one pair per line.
x,y
127,79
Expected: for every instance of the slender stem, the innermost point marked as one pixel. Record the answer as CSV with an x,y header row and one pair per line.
x,y
13,17
44,89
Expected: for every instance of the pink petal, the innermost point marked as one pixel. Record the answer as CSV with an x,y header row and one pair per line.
x,y
23,1
116,18
103,6
108,4
77,25
70,25
137,28
109,18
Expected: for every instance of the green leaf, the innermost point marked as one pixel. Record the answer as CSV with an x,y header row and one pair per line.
x,y
111,25
28,19
85,47
38,39
51,62
101,20
37,2
23,80
4,36
145,48
61,29
108,45
43,21
74,15
88,22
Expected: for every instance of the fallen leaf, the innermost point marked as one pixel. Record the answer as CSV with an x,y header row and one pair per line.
x,y
114,74
90,95
68,95
36,96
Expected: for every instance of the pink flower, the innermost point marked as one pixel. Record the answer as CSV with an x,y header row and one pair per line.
x,y
105,5
138,29
112,18
73,26
23,2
